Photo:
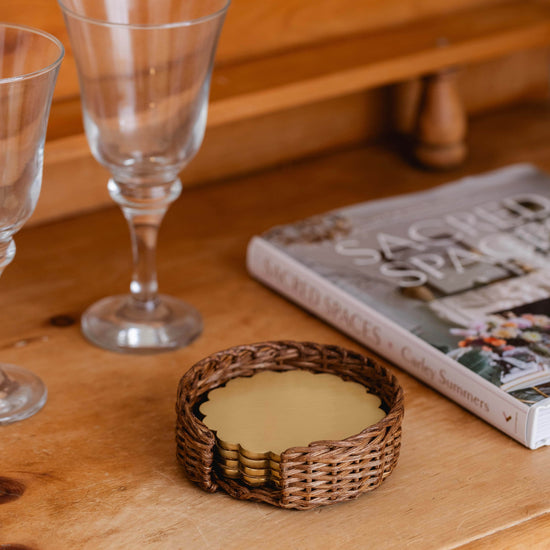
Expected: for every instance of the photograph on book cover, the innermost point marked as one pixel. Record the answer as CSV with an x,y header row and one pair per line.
x,y
464,267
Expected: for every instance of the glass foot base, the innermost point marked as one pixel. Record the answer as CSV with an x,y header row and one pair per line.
x,y
117,323
22,394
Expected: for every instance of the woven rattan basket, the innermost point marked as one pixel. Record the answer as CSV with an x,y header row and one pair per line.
x,y
323,473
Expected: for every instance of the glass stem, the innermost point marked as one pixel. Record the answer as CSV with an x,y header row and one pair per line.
x,y
144,207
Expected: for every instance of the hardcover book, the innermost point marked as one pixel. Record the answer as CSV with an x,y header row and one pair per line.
x,y
450,284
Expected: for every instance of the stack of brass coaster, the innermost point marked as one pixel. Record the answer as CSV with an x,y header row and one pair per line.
x,y
257,418
255,469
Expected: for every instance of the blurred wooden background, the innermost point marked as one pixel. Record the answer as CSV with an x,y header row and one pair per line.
x,y
300,77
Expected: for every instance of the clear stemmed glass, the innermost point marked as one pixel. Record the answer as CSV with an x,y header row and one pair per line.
x,y
29,63
144,68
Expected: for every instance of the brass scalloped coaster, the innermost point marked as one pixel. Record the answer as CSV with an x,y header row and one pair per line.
x,y
272,411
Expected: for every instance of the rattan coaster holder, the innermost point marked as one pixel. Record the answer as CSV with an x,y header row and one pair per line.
x,y
325,472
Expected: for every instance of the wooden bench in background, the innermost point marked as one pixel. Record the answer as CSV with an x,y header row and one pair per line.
x,y
298,78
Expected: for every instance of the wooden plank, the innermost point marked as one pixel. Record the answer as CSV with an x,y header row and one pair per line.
x,y
255,117
258,29
327,70
505,80
255,144
98,463
254,29
523,535
333,69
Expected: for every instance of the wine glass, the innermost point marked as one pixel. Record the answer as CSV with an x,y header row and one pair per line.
x,y
29,63
144,69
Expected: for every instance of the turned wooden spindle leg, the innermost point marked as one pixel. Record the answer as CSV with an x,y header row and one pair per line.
x,y
406,103
440,129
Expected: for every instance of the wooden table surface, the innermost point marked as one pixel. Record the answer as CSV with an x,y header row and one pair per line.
x,y
98,464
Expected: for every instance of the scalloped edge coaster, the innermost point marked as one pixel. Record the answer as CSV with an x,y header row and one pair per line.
x,y
330,407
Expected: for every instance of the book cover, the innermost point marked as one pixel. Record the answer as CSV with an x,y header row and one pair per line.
x,y
451,284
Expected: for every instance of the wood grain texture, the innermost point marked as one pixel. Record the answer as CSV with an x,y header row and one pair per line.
x,y
505,80
523,535
315,96
75,183
339,68
255,29
98,462
327,67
